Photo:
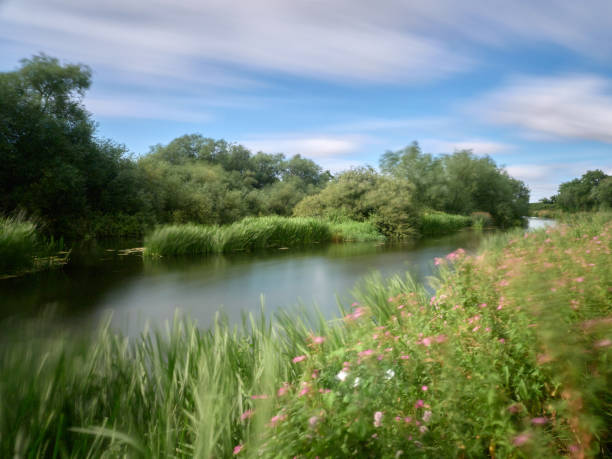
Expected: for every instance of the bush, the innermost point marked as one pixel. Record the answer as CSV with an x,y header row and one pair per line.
x,y
437,223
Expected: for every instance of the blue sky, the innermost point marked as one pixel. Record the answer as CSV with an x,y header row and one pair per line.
x,y
341,82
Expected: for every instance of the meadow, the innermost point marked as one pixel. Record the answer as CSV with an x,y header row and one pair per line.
x,y
510,358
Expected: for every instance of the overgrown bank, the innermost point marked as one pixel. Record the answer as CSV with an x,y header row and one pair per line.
x,y
511,358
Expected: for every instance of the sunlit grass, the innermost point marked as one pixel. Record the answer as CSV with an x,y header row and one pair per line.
x,y
254,233
437,223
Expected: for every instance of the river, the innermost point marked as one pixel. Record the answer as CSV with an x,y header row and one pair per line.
x,y
100,279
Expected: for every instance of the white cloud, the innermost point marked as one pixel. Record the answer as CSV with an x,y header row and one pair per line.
x,y
577,106
145,109
478,146
316,146
544,179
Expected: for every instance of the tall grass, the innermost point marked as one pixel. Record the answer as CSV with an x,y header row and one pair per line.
x,y
18,244
437,223
511,358
254,233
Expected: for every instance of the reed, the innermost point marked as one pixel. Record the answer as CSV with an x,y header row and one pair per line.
x,y
18,244
437,223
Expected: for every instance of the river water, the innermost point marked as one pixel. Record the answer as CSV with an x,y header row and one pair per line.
x,y
102,279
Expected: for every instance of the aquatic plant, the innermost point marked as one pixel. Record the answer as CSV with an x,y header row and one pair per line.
x,y
18,244
437,223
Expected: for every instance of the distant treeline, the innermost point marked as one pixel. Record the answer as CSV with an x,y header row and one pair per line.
x,y
56,171
591,192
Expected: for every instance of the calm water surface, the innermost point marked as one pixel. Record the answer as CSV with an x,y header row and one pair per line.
x,y
99,280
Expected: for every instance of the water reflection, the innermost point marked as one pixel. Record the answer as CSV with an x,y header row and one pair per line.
x,y
99,279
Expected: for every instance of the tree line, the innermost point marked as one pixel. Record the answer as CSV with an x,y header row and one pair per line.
x,y
591,192
57,171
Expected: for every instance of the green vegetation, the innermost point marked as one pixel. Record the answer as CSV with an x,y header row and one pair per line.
x,y
591,192
511,358
22,249
435,223
77,185
18,243
254,233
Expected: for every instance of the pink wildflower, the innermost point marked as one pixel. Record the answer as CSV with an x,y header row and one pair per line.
x,y
579,279
365,353
318,339
299,358
304,391
259,397
246,415
282,391
426,341
424,388
237,449
404,357
378,418
539,421
438,261
419,404
521,439
483,305
313,421
603,343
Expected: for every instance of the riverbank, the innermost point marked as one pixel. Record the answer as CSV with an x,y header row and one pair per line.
x,y
254,233
511,358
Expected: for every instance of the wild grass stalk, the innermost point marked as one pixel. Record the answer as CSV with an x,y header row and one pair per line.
x,y
18,244
437,223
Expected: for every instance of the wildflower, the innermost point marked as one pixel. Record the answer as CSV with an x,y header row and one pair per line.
x,y
438,261
423,429
483,305
259,397
237,449
539,421
246,415
419,404
603,343
441,338
408,420
502,340
378,419
426,341
277,418
304,391
424,388
355,304
282,390
427,416
356,382
579,279
404,357
313,421
299,358
514,408
318,339
521,439
365,353
389,374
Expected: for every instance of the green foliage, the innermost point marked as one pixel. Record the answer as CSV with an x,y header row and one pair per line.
x,y
592,191
436,223
18,244
510,358
249,234
460,183
363,195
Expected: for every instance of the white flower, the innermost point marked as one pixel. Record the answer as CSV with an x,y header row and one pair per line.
x,y
342,375
356,383
389,374
426,416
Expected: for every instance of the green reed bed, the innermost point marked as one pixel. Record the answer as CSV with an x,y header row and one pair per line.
x,y
511,358
254,233
353,231
437,223
18,244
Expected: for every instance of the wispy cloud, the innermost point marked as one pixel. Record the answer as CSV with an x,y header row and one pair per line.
x,y
544,179
313,146
577,106
478,146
